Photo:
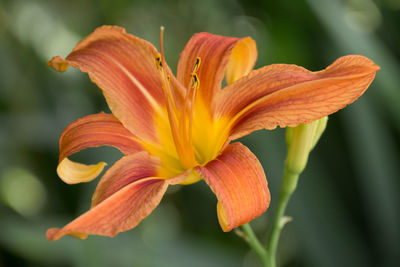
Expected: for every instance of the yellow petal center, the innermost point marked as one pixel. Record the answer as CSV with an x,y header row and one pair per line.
x,y
191,136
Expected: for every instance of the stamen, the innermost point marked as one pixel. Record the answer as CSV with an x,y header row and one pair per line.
x,y
191,99
183,148
187,114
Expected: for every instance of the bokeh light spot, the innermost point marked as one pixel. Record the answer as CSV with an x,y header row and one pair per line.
x,y
22,191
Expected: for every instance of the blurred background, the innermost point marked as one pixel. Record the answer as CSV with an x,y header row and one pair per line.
x,y
346,209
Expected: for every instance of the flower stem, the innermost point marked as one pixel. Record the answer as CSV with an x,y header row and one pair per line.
x,y
288,186
301,141
254,243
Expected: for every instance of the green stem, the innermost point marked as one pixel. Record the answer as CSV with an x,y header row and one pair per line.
x,y
288,186
255,244
300,140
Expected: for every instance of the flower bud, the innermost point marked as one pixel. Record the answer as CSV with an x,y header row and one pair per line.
x,y
301,140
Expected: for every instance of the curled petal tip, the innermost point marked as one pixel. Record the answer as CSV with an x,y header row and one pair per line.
x,y
368,62
372,64
361,64
51,234
375,67
222,218
242,60
73,172
54,234
58,63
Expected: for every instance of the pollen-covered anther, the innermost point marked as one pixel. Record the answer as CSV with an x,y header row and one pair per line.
x,y
195,81
197,64
159,62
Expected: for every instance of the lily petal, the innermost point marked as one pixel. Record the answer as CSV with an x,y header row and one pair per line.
x,y
238,180
242,60
286,95
97,130
124,197
73,172
120,212
215,52
124,67
92,131
125,171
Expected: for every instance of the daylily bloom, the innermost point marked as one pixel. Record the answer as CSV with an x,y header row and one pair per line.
x,y
177,130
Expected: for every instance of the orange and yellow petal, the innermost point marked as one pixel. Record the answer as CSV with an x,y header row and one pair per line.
x,y
124,67
210,57
97,130
120,212
125,171
286,95
238,180
214,52
92,131
242,60
71,172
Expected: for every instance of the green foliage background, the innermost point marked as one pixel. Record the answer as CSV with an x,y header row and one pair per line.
x,y
347,207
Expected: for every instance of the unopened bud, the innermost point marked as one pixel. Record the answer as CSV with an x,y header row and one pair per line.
x,y
320,130
301,140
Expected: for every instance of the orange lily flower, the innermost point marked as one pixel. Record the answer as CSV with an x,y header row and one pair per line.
x,y
177,130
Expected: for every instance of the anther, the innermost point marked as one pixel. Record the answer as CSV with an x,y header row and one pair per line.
x,y
195,81
197,64
159,63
